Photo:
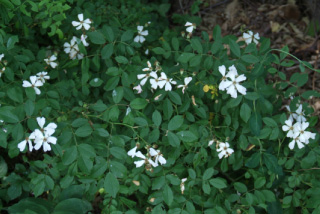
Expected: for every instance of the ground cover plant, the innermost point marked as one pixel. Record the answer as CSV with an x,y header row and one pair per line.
x,y
105,108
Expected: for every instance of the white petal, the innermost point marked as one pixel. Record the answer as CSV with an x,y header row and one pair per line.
x,y
224,84
132,152
153,152
154,164
41,121
86,26
140,28
154,84
136,39
222,70
140,155
75,23
188,24
162,160
142,39
161,83
80,16
38,145
52,140
22,145
187,80
189,29
168,87
291,144
139,163
26,84
241,89
33,79
143,81
232,91
53,64
285,128
144,33
246,36
46,147
241,78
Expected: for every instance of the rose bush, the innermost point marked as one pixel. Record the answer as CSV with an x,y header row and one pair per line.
x,y
106,109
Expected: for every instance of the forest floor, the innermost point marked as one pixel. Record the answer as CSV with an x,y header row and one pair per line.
x,y
285,22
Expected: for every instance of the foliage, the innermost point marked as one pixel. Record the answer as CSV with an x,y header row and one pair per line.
x,y
100,117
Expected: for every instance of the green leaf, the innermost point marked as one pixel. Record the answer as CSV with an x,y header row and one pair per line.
x,y
29,107
13,39
196,45
112,83
173,139
138,103
208,174
167,195
234,102
175,43
259,182
245,112
156,118
7,116
234,47
269,122
122,60
7,4
158,50
255,124
15,94
240,187
185,57
218,183
117,94
96,37
108,33
111,184
126,36
253,161
72,206
118,152
175,123
83,131
252,96
107,51
271,163
3,167
187,136
69,155
175,97
250,58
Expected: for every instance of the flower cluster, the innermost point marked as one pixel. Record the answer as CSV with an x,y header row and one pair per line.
x,y
72,47
231,81
213,90
141,34
151,159
295,127
36,81
158,81
40,137
222,148
249,37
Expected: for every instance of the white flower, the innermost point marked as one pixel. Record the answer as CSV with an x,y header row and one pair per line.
x,y
50,128
146,52
301,129
232,85
158,155
224,150
42,76
69,46
1,56
83,23
288,127
156,81
132,152
296,140
149,68
43,139
138,88
249,37
144,78
141,33
34,83
190,27
50,61
299,115
168,82
83,40
187,80
22,144
145,160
